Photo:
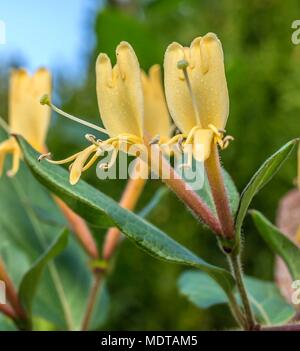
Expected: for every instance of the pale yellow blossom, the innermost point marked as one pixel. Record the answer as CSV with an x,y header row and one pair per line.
x,y
131,111
196,91
26,116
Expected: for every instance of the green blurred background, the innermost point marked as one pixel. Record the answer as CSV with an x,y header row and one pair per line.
x,y
263,74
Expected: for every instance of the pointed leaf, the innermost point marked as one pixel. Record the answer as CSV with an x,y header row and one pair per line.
x,y
278,243
31,279
265,173
268,305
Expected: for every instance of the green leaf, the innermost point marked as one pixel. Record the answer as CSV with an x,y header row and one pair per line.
x,y
265,173
6,324
268,305
85,199
31,279
278,243
200,289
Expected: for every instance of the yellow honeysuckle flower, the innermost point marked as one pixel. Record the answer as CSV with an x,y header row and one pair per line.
x,y
196,92
121,92
26,116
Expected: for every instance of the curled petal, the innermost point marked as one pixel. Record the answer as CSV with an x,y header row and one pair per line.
x,y
156,114
10,146
119,92
79,162
202,143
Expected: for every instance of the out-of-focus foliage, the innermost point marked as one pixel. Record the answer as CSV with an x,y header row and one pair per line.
x,y
263,74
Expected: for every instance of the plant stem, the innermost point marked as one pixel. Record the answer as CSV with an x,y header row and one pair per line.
x,y
216,181
80,229
11,292
8,311
237,272
183,191
128,200
236,311
92,300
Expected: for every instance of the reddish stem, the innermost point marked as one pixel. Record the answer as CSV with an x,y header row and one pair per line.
x,y
80,229
8,311
11,293
216,181
183,191
92,300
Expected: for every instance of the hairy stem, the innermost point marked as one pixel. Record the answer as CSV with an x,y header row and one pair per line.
x,y
237,272
236,311
183,191
216,181
8,311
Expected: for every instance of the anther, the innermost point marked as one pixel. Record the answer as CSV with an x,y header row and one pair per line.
x,y
44,156
92,139
155,140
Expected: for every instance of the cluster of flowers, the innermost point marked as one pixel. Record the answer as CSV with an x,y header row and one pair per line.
x,y
135,108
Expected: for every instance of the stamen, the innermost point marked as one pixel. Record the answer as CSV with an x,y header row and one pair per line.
x,y
217,131
227,140
44,156
189,161
175,139
112,161
183,65
191,135
47,157
155,140
92,139
46,101
90,162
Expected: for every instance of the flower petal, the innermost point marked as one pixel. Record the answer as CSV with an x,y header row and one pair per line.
x,y
208,84
119,92
177,93
10,146
203,139
156,114
26,115
79,162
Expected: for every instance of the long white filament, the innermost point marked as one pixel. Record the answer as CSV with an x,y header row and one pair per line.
x,y
45,101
